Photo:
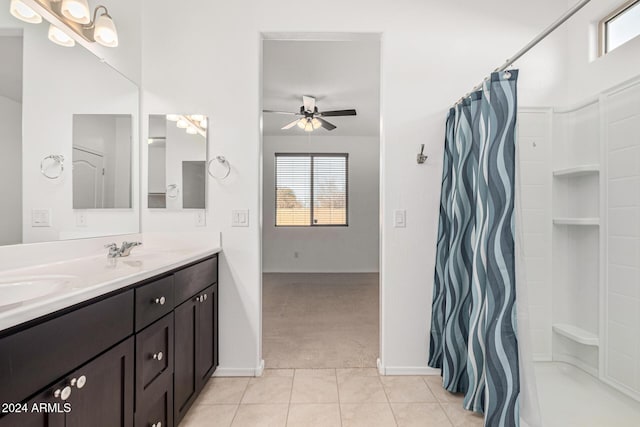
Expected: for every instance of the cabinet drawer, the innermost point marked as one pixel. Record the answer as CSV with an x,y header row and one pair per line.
x,y
153,301
157,406
38,356
191,280
154,354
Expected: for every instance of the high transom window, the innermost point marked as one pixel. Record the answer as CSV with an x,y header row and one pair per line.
x,y
620,26
312,190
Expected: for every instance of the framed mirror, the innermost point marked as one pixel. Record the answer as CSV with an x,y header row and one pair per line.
x,y
58,104
177,161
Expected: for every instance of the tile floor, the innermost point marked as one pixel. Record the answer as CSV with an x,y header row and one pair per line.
x,y
320,320
356,397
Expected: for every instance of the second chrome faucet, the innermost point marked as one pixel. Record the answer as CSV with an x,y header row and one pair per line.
x,y
124,250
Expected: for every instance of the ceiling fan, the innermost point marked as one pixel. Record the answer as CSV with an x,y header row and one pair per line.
x,y
310,118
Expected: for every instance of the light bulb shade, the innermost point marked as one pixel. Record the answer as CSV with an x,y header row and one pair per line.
x,y
308,127
76,10
24,12
191,130
302,123
105,31
197,117
173,117
182,124
204,123
316,123
59,37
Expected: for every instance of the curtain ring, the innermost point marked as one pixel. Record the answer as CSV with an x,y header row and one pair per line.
x,y
507,75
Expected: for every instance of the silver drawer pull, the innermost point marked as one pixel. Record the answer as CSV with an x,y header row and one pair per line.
x,y
62,394
158,356
158,424
205,297
160,301
78,382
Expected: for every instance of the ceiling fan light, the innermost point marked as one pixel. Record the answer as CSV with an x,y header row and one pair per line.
x,y
24,12
76,10
308,127
182,124
105,31
59,37
316,123
302,123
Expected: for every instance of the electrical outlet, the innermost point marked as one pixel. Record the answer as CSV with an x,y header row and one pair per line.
x,y
81,219
400,218
201,218
41,217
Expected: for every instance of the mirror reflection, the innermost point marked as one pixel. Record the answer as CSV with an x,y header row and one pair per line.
x,y
177,157
101,161
62,110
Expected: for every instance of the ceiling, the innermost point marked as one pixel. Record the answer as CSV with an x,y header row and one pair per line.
x,y
11,67
339,74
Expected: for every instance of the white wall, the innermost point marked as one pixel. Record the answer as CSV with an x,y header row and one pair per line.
x,y
325,249
11,171
433,52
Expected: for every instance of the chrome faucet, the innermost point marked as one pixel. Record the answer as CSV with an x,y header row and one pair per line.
x,y
124,250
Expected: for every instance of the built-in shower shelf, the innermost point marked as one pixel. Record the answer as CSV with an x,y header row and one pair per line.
x,y
577,171
576,334
576,221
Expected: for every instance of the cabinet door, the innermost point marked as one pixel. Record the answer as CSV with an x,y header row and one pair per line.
x,y
48,412
102,390
205,344
185,378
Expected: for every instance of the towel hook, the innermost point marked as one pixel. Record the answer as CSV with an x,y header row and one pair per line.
x,y
421,158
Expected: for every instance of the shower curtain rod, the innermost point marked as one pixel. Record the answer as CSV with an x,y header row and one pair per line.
x,y
543,35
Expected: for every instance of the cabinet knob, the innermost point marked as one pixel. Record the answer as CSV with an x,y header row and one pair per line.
x,y
158,356
158,424
62,394
160,300
78,382
205,297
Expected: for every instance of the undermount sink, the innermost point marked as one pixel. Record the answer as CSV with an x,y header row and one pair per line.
x,y
20,289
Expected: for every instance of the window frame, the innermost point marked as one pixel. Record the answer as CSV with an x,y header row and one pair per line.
x,y
604,22
311,180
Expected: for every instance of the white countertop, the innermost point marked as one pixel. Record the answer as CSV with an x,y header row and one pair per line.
x,y
92,276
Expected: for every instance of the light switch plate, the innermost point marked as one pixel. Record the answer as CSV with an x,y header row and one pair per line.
x,y
400,218
201,219
41,217
240,218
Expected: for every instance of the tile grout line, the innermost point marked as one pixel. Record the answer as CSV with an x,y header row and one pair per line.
x,y
393,414
293,378
446,413
240,402
335,371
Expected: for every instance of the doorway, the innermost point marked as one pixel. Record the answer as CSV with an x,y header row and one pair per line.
x,y
320,201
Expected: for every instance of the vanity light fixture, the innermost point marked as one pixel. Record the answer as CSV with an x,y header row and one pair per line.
x,y
73,14
182,123
194,124
59,37
24,12
191,130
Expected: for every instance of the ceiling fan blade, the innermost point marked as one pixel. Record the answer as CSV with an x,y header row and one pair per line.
x,y
338,113
290,125
281,112
326,124
309,103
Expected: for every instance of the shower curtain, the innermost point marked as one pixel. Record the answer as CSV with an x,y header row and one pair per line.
x,y
473,327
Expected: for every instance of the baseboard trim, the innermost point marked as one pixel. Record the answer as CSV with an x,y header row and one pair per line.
x,y
408,370
223,371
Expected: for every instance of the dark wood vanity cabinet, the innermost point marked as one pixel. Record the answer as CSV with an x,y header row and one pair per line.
x,y
196,322
139,357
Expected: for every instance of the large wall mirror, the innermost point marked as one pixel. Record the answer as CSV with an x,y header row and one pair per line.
x,y
177,161
69,137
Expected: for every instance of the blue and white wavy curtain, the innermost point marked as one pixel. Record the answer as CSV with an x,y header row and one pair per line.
x,y
473,327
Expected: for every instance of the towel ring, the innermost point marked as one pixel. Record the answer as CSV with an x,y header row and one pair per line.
x,y
172,191
225,164
58,160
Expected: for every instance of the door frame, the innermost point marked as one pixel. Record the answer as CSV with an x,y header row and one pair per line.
x,y
324,36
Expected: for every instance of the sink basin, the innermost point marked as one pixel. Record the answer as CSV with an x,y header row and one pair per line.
x,y
20,289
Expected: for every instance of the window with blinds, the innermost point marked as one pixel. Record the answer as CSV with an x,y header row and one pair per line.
x,y
312,190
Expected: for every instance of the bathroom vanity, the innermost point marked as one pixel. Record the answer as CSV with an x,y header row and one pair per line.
x,y
138,355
